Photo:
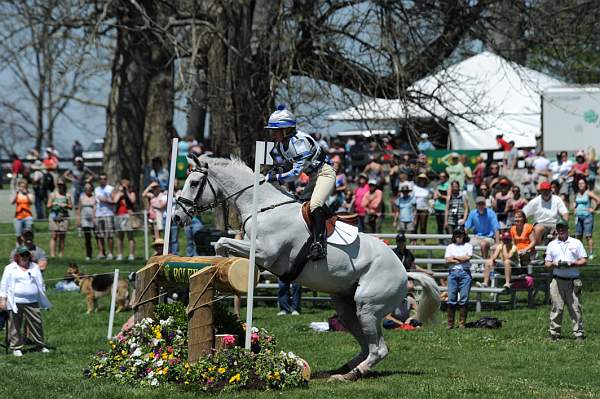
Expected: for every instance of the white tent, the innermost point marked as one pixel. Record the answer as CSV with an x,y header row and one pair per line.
x,y
480,97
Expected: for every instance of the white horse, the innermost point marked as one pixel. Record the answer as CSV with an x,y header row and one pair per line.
x,y
366,279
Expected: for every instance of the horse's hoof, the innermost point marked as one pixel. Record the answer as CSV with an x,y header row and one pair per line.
x,y
350,376
338,378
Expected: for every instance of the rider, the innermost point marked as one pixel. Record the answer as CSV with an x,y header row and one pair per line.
x,y
307,156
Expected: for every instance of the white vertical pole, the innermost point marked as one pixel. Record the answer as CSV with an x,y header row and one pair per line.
x,y
113,299
250,304
146,251
167,234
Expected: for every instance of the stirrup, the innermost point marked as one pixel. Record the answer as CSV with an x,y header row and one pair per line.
x,y
317,251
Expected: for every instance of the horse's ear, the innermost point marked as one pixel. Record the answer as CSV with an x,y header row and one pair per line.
x,y
194,158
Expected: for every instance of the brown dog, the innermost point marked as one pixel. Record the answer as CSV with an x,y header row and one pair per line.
x,y
94,287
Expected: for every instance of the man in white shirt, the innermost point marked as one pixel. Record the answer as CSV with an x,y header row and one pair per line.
x,y
104,217
545,211
564,256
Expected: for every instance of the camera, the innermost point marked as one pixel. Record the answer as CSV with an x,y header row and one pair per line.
x,y
562,263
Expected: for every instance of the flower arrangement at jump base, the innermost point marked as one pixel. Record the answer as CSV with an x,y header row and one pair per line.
x,y
154,353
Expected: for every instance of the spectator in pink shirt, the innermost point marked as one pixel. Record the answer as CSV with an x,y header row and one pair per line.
x,y
372,202
359,193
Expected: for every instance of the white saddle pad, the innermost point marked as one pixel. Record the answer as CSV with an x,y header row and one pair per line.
x,y
343,234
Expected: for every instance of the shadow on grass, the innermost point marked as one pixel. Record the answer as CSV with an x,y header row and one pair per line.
x,y
372,374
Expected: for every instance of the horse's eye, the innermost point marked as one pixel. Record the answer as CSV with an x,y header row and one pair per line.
x,y
194,183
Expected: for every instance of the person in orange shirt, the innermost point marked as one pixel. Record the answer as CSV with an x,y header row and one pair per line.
x,y
524,237
23,200
373,205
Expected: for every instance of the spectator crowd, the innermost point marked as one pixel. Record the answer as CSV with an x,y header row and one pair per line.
x,y
501,208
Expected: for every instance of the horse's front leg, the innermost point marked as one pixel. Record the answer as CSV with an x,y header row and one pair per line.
x,y
231,247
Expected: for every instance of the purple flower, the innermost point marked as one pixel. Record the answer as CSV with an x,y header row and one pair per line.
x,y
122,369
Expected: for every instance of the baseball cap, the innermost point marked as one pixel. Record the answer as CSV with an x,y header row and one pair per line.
x,y
400,237
78,159
423,176
562,223
373,182
545,186
22,250
405,187
479,200
580,153
454,155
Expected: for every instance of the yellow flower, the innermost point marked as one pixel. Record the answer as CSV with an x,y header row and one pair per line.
x,y
234,378
158,335
186,365
221,370
123,352
211,368
150,355
277,375
113,346
164,355
171,356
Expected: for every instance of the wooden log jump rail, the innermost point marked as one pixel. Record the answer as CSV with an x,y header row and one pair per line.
x,y
203,275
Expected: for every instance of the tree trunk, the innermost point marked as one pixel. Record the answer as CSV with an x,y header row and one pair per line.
x,y
239,93
140,111
197,108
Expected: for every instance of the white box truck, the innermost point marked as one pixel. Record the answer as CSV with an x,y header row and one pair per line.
x,y
571,118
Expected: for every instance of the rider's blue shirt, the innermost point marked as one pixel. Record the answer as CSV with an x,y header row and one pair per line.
x,y
305,154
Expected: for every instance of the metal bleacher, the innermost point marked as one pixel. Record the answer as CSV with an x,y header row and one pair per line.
x,y
269,281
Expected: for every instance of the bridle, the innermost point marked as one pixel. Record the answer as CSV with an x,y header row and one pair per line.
x,y
192,205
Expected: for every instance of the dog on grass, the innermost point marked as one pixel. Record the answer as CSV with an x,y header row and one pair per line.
x,y
94,287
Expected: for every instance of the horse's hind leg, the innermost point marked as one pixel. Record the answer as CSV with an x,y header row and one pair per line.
x,y
346,311
375,297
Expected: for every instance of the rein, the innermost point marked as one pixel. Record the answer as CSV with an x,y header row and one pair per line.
x,y
194,209
266,208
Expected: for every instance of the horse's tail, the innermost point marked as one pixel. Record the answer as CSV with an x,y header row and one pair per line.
x,y
429,300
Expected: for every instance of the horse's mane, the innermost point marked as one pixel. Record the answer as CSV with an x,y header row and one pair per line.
x,y
234,161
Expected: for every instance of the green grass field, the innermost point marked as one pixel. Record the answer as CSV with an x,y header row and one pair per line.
x,y
515,361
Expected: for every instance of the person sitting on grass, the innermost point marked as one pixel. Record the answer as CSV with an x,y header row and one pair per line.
x,y
404,317
508,253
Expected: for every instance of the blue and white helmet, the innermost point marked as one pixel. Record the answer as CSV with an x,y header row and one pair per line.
x,y
281,119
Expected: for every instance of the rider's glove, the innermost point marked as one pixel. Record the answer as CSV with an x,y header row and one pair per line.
x,y
271,177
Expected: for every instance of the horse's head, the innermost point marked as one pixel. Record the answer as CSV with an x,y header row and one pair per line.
x,y
194,198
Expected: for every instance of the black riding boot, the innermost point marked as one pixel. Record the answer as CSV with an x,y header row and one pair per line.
x,y
318,248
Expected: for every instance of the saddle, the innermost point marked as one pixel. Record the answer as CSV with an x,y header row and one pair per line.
x,y
341,238
349,218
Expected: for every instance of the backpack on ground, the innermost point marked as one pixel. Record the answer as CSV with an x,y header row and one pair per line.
x,y
485,322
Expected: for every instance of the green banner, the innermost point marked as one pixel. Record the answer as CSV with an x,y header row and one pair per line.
x,y
439,159
180,272
181,167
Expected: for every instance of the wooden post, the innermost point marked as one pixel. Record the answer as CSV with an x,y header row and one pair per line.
x,y
146,291
200,325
